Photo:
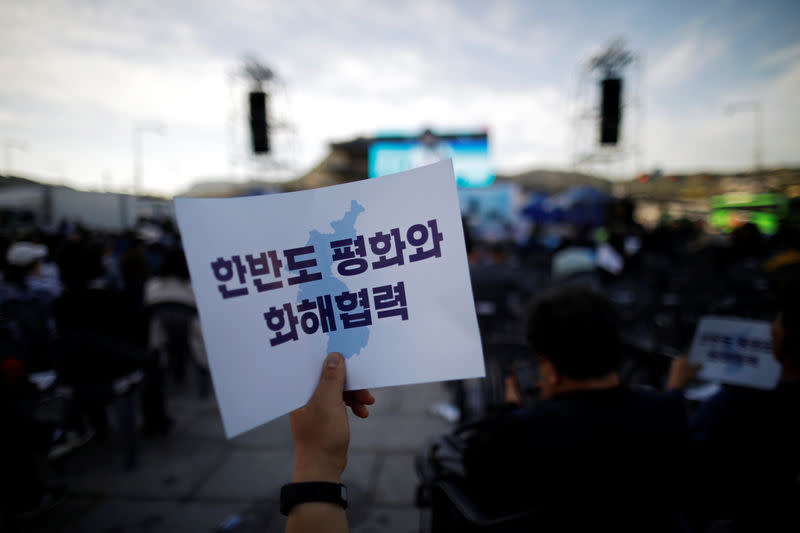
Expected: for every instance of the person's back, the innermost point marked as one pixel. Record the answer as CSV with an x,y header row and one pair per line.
x,y
607,456
617,438
750,438
594,453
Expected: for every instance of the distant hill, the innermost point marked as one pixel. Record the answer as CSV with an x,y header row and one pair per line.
x,y
700,186
328,172
16,181
224,188
552,181
211,189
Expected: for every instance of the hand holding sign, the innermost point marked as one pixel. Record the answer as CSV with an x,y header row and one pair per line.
x,y
375,270
681,372
320,428
321,436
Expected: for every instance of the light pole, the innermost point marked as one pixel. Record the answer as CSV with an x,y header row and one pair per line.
x,y
138,130
9,145
758,127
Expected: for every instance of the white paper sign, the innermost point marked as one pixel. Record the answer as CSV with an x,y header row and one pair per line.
x,y
735,351
374,269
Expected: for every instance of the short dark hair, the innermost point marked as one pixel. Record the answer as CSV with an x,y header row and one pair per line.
x,y
577,330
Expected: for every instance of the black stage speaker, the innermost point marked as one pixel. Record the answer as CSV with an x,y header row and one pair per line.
x,y
259,128
610,110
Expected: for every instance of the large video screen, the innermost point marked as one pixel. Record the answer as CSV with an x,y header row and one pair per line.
x,y
469,151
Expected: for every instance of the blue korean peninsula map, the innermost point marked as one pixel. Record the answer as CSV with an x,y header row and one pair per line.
x,y
348,342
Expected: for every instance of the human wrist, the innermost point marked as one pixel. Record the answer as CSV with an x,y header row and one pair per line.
x,y
305,471
305,476
676,381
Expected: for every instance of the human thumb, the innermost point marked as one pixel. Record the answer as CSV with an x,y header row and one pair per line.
x,y
331,383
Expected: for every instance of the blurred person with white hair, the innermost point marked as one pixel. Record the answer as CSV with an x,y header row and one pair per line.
x,y
27,275
27,293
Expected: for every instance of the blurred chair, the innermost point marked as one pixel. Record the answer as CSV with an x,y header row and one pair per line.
x,y
503,357
452,509
500,294
443,492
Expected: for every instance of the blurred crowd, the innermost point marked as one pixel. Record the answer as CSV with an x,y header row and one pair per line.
x,y
570,429
94,323
88,318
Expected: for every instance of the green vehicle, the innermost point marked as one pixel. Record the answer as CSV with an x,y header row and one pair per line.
x,y
765,210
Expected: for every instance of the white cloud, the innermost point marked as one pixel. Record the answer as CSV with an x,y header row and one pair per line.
x,y
90,72
527,127
80,77
77,76
684,59
717,139
784,55
782,116
83,63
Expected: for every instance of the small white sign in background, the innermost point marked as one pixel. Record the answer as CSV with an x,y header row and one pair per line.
x,y
736,351
374,269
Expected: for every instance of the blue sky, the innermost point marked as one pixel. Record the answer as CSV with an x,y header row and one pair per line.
x,y
78,76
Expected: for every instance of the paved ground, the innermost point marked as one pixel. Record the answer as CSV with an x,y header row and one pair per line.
x,y
195,479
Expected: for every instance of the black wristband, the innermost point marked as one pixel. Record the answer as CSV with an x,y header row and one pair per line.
x,y
314,491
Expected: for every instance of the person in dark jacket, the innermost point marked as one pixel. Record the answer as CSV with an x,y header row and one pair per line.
x,y
593,453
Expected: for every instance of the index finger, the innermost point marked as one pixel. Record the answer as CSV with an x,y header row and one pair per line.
x,y
355,398
358,401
